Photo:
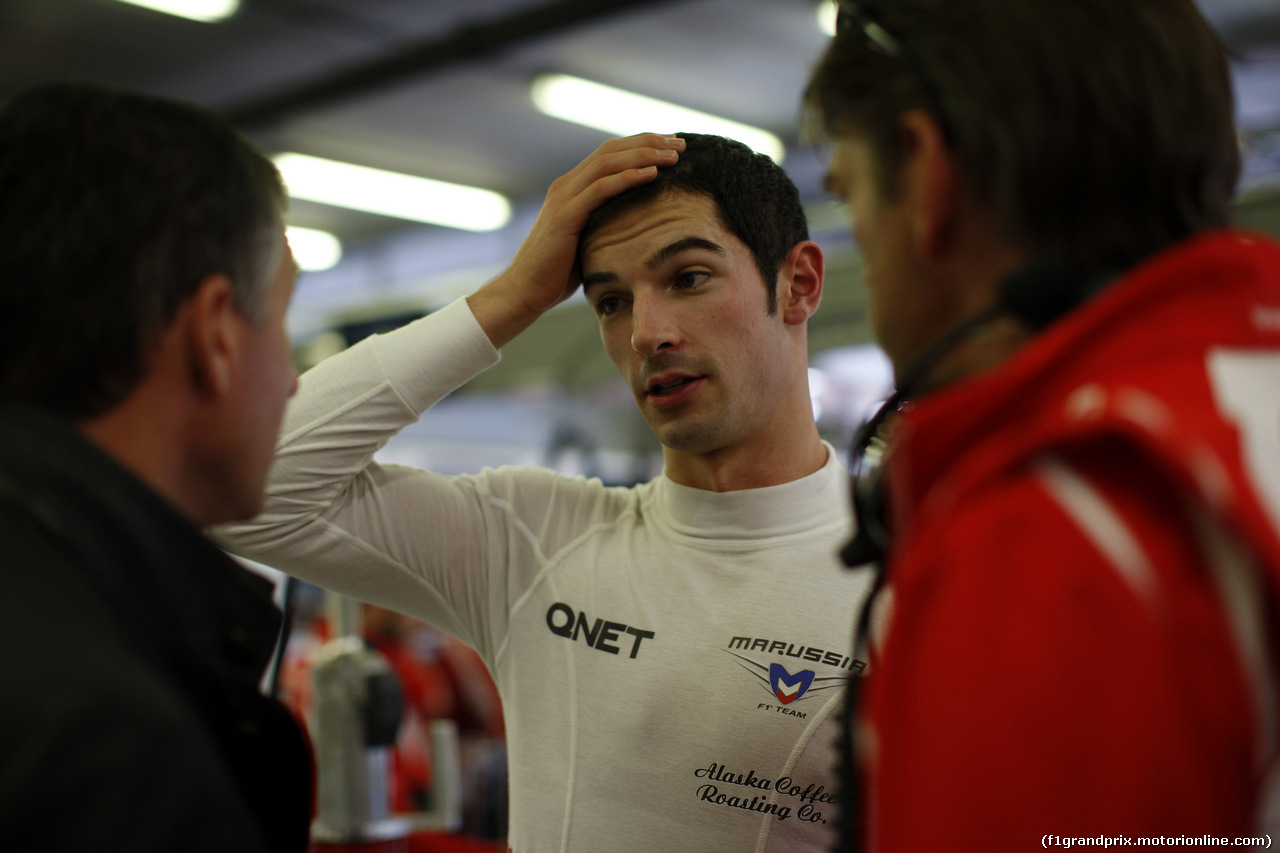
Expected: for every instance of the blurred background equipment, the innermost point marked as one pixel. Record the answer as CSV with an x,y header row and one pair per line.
x,y
406,726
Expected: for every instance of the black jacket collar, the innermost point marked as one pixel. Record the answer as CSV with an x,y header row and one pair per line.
x,y
182,598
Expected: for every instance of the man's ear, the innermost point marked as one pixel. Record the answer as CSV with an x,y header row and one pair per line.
x,y
929,182
213,339
800,283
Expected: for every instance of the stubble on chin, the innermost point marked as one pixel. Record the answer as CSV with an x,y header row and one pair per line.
x,y
687,434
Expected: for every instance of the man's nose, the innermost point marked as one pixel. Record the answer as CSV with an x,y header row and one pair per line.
x,y
653,325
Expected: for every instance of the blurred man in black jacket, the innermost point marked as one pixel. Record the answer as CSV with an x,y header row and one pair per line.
x,y
144,370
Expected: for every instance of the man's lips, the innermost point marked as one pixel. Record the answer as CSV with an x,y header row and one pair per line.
x,y
671,389
667,384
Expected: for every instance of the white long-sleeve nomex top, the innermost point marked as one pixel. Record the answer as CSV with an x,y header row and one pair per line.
x,y
671,660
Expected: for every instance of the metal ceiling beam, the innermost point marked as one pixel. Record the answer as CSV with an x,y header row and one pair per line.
x,y
465,44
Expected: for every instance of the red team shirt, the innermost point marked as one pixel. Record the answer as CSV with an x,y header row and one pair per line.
x,y
1082,597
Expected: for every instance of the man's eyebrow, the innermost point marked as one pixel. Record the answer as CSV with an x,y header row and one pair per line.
x,y
598,278
670,250
658,258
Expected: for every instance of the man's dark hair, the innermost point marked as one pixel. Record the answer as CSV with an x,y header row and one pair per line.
x,y
756,199
1097,129
114,206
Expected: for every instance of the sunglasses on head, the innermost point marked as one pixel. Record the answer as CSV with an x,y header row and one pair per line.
x,y
854,16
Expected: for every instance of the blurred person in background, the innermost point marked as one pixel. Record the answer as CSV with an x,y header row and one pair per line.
x,y
144,371
671,657
443,679
1075,492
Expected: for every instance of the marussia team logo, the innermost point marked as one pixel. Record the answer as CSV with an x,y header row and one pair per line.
x,y
787,687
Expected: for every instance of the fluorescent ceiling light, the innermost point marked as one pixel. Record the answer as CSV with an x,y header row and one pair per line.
x,y
313,250
392,194
827,12
208,11
624,113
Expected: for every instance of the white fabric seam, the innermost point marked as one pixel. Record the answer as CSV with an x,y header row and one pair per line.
x,y
1101,525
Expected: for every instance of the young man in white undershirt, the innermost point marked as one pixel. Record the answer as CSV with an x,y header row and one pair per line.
x,y
672,657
